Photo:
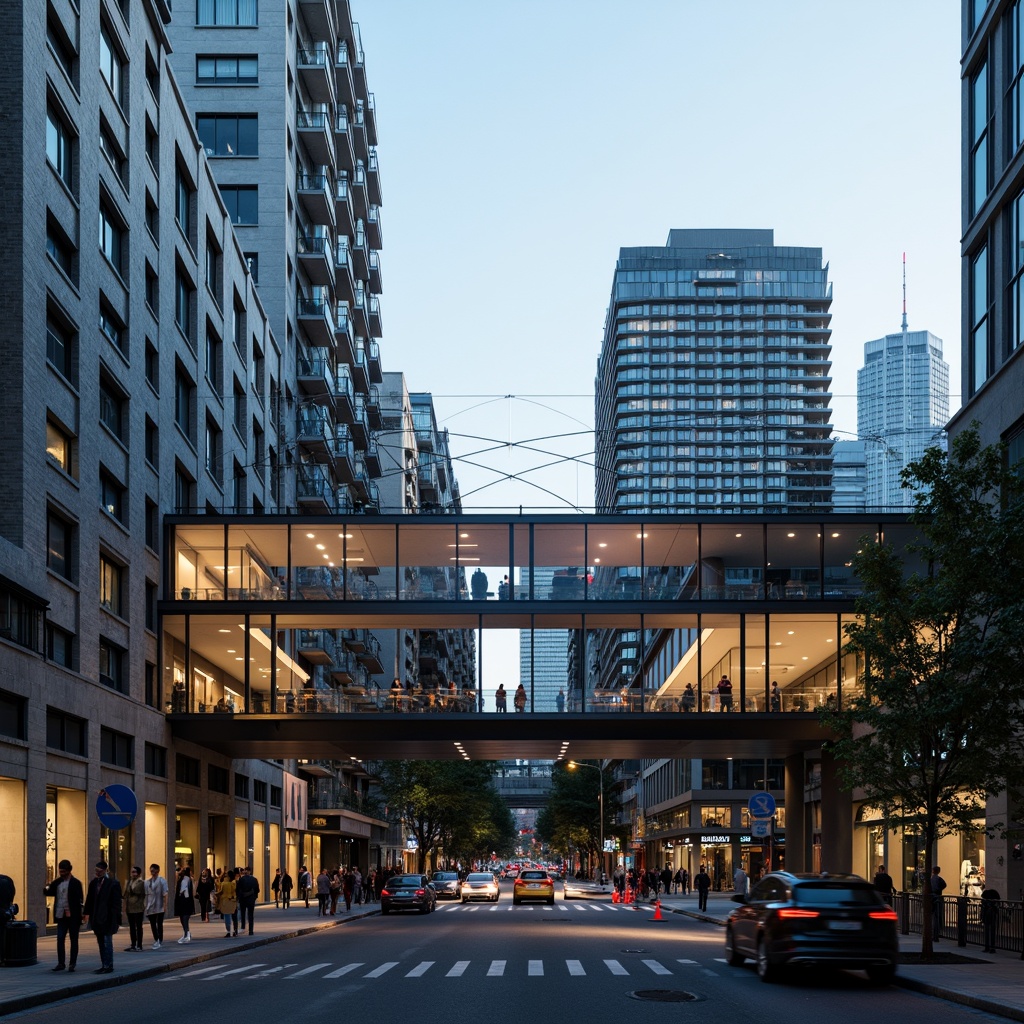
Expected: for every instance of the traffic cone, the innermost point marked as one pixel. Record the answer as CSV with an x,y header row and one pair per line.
x,y
657,911
615,895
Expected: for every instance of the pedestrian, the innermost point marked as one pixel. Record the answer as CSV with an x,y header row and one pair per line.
x,y
357,886
702,883
688,701
775,698
156,904
135,908
990,918
247,890
725,694
883,884
348,887
520,698
323,892
560,701
936,885
68,897
275,888
227,902
286,890
184,902
501,699
739,880
686,882
666,879
204,890
337,881
305,884
102,914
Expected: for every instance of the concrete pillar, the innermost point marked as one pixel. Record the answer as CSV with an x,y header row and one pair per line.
x,y
796,815
836,819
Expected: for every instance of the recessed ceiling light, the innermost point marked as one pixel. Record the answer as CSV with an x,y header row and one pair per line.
x,y
223,630
739,534
320,547
835,534
828,639
602,545
790,534
790,632
640,536
804,658
597,561
310,535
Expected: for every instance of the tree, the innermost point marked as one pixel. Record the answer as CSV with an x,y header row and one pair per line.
x,y
571,817
935,726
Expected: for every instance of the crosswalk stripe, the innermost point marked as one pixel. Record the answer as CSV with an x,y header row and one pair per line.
x,y
306,970
458,970
420,969
655,966
275,970
597,906
497,969
448,910
575,968
580,906
563,907
615,967
236,970
688,962
383,969
535,968
342,971
191,974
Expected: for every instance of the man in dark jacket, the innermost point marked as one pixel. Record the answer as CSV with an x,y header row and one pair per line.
x,y
247,888
7,894
103,914
68,897
883,883
702,883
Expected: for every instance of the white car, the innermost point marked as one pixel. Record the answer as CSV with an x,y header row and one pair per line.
x,y
480,885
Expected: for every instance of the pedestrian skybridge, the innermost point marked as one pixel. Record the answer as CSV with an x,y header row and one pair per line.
x,y
281,635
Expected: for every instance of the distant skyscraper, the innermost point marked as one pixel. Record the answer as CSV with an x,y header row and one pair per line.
x,y
849,476
546,671
902,407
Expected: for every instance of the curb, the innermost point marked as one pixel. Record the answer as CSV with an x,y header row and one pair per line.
x,y
963,998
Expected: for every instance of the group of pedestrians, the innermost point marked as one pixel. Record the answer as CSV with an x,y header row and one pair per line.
x,y
348,883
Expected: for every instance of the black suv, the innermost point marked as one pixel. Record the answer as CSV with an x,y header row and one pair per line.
x,y
826,920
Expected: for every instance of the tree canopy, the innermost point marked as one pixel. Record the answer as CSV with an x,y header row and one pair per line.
x,y
571,818
934,724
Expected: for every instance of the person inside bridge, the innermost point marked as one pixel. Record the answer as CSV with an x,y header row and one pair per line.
x,y
501,699
725,694
519,700
688,701
396,694
775,698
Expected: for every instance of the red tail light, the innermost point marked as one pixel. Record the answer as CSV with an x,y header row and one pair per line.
x,y
421,892
883,915
384,892
788,913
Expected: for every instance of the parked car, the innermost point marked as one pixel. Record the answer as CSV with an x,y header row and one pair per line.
x,y
408,892
799,920
447,885
533,884
480,885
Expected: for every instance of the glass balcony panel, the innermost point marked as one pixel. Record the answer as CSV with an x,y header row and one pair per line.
x,y
802,660
719,656
794,554
615,554
732,562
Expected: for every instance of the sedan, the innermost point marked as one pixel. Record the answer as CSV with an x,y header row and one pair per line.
x,y
408,892
799,920
533,884
480,885
447,885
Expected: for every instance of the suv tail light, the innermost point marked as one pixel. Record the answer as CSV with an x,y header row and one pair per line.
x,y
883,915
788,913
384,892
421,892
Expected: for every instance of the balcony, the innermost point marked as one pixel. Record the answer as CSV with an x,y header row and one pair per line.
x,y
344,279
374,317
427,480
373,179
314,489
315,373
370,657
360,425
374,413
370,117
314,195
344,215
360,203
344,335
374,236
344,395
360,254
313,253
344,456
314,131
358,65
376,284
344,152
315,645
343,74
372,454
317,16
360,370
361,484
345,669
376,372
315,433
360,321
359,131
314,316
315,73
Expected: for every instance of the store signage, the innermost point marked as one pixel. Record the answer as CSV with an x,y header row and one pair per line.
x,y
331,822
714,839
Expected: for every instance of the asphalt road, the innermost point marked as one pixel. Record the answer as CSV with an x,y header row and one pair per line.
x,y
577,960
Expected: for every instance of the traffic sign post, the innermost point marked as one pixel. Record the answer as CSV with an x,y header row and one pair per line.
x,y
761,805
116,807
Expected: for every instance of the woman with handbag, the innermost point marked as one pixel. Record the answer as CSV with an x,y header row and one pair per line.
x,y
184,902
204,889
227,901
135,908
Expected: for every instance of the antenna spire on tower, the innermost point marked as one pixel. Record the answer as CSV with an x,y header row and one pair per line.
x,y
904,293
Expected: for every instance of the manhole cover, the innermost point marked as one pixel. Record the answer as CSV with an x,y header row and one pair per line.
x,y
663,995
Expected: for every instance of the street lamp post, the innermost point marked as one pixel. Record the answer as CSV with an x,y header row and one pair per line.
x,y
572,766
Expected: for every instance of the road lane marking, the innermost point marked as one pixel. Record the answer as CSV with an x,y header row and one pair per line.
x,y
275,970
575,968
535,968
615,967
342,971
497,969
459,969
420,969
236,970
383,969
687,962
597,907
655,966
306,970
192,974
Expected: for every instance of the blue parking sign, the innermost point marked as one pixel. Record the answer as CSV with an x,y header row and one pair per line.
x,y
116,807
761,805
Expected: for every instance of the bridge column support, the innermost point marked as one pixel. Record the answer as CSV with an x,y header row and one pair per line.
x,y
836,819
797,854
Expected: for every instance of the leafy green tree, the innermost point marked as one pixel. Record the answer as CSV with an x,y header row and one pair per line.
x,y
935,726
571,818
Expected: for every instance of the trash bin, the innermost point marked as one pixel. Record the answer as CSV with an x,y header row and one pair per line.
x,y
20,944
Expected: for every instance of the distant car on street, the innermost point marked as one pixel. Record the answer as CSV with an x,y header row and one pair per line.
x,y
447,885
480,885
408,892
533,884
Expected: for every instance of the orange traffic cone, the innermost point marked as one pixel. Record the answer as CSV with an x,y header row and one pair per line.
x,y
615,895
657,911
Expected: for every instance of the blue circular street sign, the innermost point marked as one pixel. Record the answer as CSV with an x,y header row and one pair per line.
x,y
116,807
761,805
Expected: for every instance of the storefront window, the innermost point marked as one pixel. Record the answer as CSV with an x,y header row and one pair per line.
x,y
714,815
972,861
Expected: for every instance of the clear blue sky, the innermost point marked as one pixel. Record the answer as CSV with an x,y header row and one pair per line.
x,y
522,143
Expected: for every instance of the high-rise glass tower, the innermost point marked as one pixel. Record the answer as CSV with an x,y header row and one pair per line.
x,y
713,383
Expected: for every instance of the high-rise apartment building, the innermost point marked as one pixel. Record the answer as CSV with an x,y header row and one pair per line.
x,y
849,476
544,654
902,408
278,96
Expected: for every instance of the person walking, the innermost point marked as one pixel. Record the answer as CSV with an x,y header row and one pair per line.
x,y
725,694
102,914
936,885
286,890
666,879
371,886
990,918
68,897
156,904
883,884
775,698
519,700
305,884
337,881
135,908
688,701
227,902
686,882
357,885
323,892
204,890
348,884
501,699
702,883
560,701
275,888
184,902
247,890
739,880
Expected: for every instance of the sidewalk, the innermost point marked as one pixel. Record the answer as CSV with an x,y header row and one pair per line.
x,y
991,984
22,988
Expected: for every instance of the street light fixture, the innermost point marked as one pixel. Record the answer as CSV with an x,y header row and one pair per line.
x,y
572,766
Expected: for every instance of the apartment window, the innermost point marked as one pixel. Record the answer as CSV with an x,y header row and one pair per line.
x,y
1017,271
214,268
217,778
184,300
228,134
184,490
275,796
59,145
979,301
214,361
111,236
112,65
111,149
60,346
238,327
60,646
183,193
153,75
152,443
152,514
60,447
113,326
152,218
12,716
241,202
184,393
60,535
239,408
155,760
186,769
112,408
259,791
213,450
241,786
238,488
112,496
111,584
65,732
227,70
20,617
152,146
1016,32
60,248
979,114
61,46
116,748
112,666
152,291
239,13
151,594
